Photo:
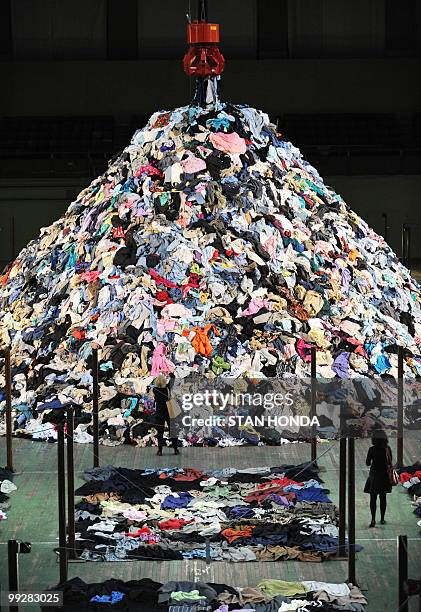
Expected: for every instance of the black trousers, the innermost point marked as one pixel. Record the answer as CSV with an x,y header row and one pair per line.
x,y
161,421
373,505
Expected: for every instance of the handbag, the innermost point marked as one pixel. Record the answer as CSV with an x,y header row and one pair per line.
x,y
173,409
391,472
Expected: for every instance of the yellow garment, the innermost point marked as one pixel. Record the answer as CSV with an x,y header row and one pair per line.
x,y
313,302
281,587
317,335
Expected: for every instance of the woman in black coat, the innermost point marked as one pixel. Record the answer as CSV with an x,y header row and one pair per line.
x,y
379,457
161,394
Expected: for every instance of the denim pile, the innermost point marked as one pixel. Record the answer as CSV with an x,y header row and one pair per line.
x,y
209,246
186,596
410,479
255,514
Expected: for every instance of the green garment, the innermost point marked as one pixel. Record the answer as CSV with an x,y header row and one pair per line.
x,y
219,365
272,588
187,596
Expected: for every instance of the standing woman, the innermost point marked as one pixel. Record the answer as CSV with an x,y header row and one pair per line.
x,y
161,394
379,458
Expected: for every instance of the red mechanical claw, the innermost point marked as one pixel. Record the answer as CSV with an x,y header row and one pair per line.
x,y
203,58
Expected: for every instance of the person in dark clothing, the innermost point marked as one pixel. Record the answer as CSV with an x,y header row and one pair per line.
x,y
379,456
161,394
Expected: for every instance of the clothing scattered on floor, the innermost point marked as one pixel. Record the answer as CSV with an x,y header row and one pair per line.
x,y
260,514
186,596
6,487
209,246
410,479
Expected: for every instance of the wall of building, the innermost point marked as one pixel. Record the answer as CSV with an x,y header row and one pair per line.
x,y
276,86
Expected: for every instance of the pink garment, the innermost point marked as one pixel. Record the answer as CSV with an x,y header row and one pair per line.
x,y
304,350
166,325
270,245
135,515
90,276
350,327
193,164
323,247
160,363
176,310
127,203
255,305
289,351
230,143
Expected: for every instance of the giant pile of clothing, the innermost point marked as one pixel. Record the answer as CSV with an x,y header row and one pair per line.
x,y
187,596
255,514
209,246
6,487
410,479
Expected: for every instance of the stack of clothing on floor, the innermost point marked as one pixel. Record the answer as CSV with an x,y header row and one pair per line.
x,y
208,247
186,596
6,487
410,479
255,514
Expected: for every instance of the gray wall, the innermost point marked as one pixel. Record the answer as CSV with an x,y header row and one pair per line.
x,y
33,204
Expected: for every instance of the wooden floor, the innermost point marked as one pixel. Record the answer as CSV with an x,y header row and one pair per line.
x,y
33,518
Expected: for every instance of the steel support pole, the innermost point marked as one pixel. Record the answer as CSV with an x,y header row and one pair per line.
x,y
70,485
403,248
402,573
399,459
95,404
385,226
351,511
202,10
9,426
13,567
342,497
313,404
61,489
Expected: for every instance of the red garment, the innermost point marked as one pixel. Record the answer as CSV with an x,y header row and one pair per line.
x,y
282,482
162,120
259,495
118,232
307,199
80,334
189,475
405,476
161,280
194,279
173,524
142,531
162,296
149,170
90,276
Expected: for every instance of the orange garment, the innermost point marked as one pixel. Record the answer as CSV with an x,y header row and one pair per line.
x,y
233,534
99,497
6,275
201,342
